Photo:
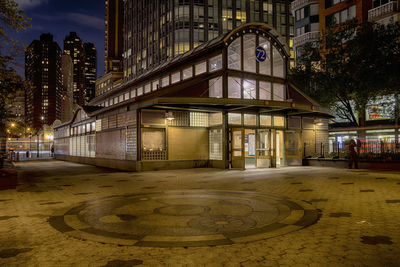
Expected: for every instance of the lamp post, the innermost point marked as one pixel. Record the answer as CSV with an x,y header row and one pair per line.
x,y
38,144
37,147
30,142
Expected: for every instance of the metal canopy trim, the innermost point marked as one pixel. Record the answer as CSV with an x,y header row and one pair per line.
x,y
215,104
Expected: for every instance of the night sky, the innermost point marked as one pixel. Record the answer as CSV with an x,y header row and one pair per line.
x,y
59,17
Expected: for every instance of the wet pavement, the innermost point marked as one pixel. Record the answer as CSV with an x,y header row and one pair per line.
x,y
64,214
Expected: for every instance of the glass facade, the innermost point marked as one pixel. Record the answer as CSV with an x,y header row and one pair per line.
x,y
158,30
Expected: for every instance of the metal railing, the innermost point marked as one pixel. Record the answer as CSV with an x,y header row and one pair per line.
x,y
368,150
300,3
16,156
305,38
29,150
380,11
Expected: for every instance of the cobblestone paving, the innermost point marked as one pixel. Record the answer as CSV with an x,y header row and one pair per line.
x,y
359,222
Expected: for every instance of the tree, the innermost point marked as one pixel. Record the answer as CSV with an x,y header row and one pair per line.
x,y
11,19
355,64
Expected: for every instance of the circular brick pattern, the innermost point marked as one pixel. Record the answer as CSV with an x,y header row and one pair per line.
x,y
185,218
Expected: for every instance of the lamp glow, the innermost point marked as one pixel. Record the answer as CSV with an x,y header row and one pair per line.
x,y
169,116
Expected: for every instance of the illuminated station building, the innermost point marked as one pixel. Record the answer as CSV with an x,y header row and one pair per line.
x,y
223,101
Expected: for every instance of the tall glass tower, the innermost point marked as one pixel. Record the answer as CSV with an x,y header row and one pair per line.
x,y
158,30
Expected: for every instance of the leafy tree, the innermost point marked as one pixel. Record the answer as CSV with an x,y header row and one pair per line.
x,y
11,19
351,66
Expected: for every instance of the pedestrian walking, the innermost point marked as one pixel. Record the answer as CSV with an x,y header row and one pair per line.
x,y
353,155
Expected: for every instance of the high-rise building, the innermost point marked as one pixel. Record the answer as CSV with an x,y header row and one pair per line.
x,y
67,98
73,46
158,30
90,70
17,108
334,12
306,23
43,72
113,35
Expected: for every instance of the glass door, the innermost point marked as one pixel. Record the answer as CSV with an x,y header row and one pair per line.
x,y
280,148
277,149
237,148
263,148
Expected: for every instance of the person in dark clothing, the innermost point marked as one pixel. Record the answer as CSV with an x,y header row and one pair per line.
x,y
353,155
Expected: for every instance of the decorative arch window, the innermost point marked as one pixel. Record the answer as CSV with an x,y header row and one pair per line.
x,y
243,48
265,66
249,56
235,54
278,64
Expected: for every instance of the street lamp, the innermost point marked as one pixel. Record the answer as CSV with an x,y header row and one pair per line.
x,y
169,116
38,144
30,142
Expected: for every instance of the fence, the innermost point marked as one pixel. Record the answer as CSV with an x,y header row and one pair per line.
x,y
368,150
22,150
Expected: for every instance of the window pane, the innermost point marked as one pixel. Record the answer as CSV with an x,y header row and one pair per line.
x,y
215,63
121,98
165,81
265,91
150,117
234,55
278,68
153,139
234,87
215,87
343,15
126,96
265,120
265,66
249,89
139,91
133,93
147,88
215,140
249,50
200,68
352,12
198,119
250,119
215,118
155,85
234,118
176,77
279,92
187,73
279,121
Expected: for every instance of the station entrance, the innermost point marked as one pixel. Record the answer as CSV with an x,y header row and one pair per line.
x,y
256,148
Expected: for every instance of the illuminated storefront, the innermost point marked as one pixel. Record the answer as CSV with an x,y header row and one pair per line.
x,y
224,104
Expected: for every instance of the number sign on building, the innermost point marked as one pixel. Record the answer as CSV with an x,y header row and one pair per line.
x,y
261,54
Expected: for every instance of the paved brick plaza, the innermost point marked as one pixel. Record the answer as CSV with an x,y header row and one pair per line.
x,y
65,214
